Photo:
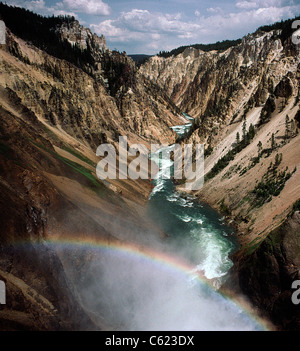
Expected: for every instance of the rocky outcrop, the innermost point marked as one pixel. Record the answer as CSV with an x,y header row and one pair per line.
x,y
266,274
78,35
53,90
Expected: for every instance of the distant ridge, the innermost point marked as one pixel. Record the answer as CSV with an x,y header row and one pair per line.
x,y
140,58
219,46
285,26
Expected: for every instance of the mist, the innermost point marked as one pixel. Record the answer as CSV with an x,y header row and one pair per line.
x,y
124,291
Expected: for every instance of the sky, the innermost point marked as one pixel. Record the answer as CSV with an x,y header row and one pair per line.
x,y
147,27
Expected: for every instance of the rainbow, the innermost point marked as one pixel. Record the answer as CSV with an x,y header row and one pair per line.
x,y
152,257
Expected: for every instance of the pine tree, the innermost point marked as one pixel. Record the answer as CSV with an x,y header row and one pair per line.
x,y
293,125
244,128
259,145
278,160
251,132
273,142
287,127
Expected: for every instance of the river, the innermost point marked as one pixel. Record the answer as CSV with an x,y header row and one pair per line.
x,y
192,227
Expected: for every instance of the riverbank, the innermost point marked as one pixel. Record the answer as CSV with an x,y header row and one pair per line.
x,y
267,262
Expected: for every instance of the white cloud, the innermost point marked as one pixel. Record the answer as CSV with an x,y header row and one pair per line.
x,y
108,29
197,13
90,7
147,23
226,25
145,30
214,10
263,4
246,4
173,17
153,46
36,6
65,7
155,36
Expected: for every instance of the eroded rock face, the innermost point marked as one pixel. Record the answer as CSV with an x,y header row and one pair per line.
x,y
218,85
256,82
284,88
53,116
267,275
81,36
46,196
82,106
40,295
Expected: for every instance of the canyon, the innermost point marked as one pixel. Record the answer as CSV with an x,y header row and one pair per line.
x,y
228,92
55,113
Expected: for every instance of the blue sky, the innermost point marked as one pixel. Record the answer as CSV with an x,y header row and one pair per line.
x,y
146,27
